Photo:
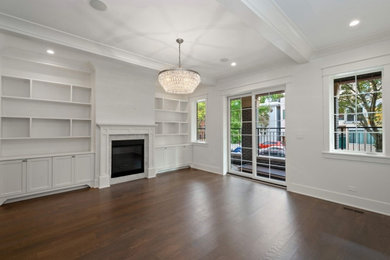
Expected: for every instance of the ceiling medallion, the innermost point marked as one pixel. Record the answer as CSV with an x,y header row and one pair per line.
x,y
179,80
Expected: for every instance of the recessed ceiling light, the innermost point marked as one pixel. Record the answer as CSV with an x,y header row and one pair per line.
x,y
233,64
353,23
50,51
98,5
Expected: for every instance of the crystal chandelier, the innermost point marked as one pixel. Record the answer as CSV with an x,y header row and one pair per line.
x,y
179,80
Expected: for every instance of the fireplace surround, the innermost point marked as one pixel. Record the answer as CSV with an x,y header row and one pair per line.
x,y
109,133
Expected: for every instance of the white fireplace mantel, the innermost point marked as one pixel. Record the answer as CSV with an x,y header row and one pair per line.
x,y
109,132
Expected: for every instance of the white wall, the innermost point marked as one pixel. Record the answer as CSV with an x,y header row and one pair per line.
x,y
309,170
124,93
207,156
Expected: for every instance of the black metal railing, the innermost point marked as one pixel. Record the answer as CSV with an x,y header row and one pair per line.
x,y
363,139
201,134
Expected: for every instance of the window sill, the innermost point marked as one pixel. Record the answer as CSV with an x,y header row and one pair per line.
x,y
200,143
370,158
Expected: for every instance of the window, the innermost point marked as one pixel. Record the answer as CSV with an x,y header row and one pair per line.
x,y
201,120
358,113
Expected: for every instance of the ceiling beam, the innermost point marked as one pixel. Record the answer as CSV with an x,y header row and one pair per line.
x,y
265,17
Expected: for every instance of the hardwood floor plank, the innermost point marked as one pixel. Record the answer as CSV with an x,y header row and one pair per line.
x,y
189,214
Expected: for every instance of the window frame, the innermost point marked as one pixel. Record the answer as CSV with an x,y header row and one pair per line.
x,y
343,70
194,120
333,113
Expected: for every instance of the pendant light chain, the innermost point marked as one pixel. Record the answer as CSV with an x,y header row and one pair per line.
x,y
179,55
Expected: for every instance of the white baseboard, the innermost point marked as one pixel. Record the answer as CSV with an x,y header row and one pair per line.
x,y
43,194
341,198
207,168
170,169
127,178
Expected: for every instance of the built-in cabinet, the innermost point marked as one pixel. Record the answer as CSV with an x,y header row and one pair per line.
x,y
173,157
173,149
33,176
46,128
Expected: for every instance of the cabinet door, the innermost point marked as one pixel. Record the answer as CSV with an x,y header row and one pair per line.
x,y
39,173
184,156
159,159
171,157
84,168
12,178
62,171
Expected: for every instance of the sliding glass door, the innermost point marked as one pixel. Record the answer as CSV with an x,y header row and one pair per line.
x,y
257,136
241,135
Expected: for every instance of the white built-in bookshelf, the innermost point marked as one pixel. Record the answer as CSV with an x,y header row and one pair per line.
x,y
46,125
172,122
44,117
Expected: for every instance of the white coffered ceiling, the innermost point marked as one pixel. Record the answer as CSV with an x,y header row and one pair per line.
x,y
256,34
325,23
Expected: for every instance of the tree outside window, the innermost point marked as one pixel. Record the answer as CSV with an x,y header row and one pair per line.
x,y
358,113
201,120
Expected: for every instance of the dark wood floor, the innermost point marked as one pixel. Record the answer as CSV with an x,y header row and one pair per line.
x,y
189,214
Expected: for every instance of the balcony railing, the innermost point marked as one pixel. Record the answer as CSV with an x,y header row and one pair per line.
x,y
201,134
270,157
361,139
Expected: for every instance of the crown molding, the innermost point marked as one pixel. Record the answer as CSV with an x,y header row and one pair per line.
x,y
38,31
38,58
265,17
28,28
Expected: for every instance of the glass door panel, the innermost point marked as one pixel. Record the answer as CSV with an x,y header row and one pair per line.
x,y
270,136
241,135
262,156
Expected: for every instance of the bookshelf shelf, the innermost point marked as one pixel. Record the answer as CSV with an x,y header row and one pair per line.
x,y
172,122
45,114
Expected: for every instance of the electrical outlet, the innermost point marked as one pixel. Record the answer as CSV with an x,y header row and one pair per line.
x,y
352,188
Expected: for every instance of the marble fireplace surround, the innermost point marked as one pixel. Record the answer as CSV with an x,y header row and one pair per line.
x,y
110,132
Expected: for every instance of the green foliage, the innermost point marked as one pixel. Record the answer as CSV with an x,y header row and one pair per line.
x,y
236,113
201,111
264,109
235,121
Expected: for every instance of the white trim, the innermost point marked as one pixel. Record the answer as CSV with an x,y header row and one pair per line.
x,y
132,177
193,118
25,27
328,113
111,132
265,17
252,94
198,143
377,206
207,168
42,156
38,194
360,157
172,169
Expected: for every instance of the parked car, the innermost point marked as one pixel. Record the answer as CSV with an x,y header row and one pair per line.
x,y
269,144
237,150
274,151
